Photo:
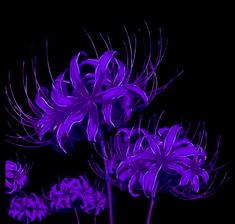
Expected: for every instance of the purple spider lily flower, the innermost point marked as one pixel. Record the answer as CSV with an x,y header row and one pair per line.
x,y
73,192
194,172
16,176
91,93
94,202
63,195
140,160
28,208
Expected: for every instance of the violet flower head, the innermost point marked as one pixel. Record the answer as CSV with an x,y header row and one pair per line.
x,y
28,208
94,202
166,159
91,93
16,176
64,195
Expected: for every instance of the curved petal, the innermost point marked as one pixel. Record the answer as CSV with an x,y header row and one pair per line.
x,y
66,126
150,180
131,185
185,152
205,176
46,125
75,76
126,105
123,172
42,103
100,72
114,93
107,113
153,144
61,100
121,74
185,178
195,183
170,138
93,122
138,145
137,90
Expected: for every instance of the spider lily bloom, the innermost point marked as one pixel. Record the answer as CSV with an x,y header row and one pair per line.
x,y
90,93
28,208
94,202
142,160
64,195
16,176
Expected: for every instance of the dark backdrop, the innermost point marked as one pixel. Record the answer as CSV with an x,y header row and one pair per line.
x,y
199,42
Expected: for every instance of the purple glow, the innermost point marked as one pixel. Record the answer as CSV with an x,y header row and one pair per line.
x,y
16,176
28,208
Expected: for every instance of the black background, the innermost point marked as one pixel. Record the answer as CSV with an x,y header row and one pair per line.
x,y
200,42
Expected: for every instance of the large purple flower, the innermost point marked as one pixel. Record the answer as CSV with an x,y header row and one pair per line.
x,y
144,161
91,93
28,208
16,176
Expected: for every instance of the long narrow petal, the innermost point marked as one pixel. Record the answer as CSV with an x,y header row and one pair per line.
x,y
61,100
107,112
66,126
170,138
131,186
121,74
100,72
137,90
150,180
93,122
195,183
153,144
185,178
42,103
75,76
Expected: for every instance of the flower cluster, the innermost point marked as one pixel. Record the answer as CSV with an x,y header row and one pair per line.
x,y
15,176
141,161
76,192
28,208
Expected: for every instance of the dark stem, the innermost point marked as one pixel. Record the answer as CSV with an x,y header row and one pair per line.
x,y
151,205
76,213
109,189
95,219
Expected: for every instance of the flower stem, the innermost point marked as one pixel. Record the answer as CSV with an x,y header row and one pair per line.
x,y
150,211
108,185
76,213
151,205
95,219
